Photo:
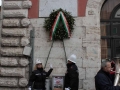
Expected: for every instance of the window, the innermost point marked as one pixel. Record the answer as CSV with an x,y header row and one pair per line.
x,y
110,29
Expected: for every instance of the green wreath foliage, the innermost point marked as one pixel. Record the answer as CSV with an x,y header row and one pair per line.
x,y
60,30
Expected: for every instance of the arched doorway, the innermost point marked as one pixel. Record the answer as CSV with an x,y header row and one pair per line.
x,y
110,29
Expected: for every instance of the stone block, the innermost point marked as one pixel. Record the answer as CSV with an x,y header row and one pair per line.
x,y
15,13
92,12
43,42
15,0
80,52
23,62
60,63
80,83
8,82
11,51
12,4
27,4
92,63
11,22
93,30
57,43
56,52
93,3
93,33
78,21
79,32
73,42
18,4
14,31
10,41
23,82
92,37
79,62
81,73
8,88
8,61
25,22
29,29
91,72
39,22
91,21
0,21
89,84
93,52
19,72
40,32
24,41
87,43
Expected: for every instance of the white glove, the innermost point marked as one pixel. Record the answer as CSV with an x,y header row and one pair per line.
x,y
29,88
51,66
67,89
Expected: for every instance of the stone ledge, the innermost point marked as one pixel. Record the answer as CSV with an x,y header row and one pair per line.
x,y
10,41
23,82
14,0
24,41
23,62
8,82
12,4
7,88
14,31
11,22
25,22
19,72
86,43
11,51
89,84
15,13
17,4
8,61
27,4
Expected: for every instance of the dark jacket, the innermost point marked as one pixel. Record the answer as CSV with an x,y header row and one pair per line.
x,y
72,77
104,81
38,78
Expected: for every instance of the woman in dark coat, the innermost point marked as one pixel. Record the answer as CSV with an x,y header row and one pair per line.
x,y
72,76
38,77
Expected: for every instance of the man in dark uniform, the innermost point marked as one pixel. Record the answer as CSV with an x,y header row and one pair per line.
x,y
72,75
103,79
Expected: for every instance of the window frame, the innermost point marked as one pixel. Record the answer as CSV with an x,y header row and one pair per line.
x,y
111,20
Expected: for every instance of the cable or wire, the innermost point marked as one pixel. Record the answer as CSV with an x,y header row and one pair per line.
x,y
49,54
64,51
50,51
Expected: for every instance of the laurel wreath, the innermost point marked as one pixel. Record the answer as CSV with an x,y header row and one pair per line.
x,y
60,30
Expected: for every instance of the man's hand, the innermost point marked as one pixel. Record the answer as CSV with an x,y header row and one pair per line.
x,y
67,89
51,66
29,88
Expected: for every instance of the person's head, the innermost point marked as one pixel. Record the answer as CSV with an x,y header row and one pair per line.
x,y
71,59
106,66
38,64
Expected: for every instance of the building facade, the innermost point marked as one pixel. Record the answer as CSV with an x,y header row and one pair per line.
x,y
95,37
